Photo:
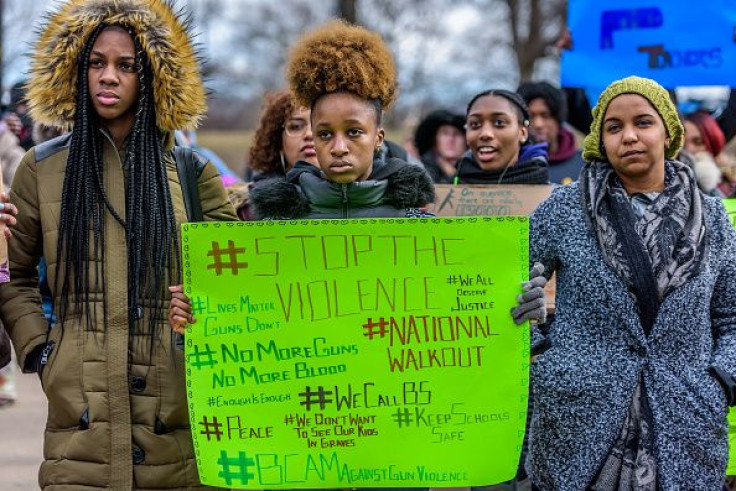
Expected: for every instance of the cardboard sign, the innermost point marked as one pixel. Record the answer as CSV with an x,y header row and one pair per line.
x,y
356,353
666,40
490,200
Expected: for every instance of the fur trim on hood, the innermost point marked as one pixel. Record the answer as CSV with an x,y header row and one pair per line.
x,y
178,89
277,198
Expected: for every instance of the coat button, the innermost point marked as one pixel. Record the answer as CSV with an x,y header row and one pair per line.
x,y
137,384
139,456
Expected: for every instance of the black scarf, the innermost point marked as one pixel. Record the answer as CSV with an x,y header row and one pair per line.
x,y
530,170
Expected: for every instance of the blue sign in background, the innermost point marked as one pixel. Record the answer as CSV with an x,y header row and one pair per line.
x,y
676,42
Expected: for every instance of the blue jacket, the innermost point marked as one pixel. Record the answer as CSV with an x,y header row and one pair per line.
x,y
583,385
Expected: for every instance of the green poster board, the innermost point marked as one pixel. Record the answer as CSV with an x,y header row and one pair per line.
x,y
730,205
356,353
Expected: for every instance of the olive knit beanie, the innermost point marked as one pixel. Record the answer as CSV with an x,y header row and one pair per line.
x,y
657,96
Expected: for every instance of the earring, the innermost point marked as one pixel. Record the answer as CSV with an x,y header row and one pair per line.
x,y
283,162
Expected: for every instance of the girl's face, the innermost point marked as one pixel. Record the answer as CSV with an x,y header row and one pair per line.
x,y
450,142
494,133
113,77
297,139
634,140
694,142
347,135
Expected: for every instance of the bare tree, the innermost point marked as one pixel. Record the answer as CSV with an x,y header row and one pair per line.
x,y
18,21
535,27
347,9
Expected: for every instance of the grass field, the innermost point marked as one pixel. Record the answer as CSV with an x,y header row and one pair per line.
x,y
232,146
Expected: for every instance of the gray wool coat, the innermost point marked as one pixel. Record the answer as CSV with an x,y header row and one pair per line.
x,y
584,383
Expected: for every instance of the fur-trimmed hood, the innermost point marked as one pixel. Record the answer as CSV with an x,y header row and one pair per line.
x,y
178,89
394,184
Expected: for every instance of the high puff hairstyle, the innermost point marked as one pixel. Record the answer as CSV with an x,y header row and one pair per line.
x,y
339,57
265,153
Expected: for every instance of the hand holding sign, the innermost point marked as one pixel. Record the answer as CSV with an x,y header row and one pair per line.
x,y
180,310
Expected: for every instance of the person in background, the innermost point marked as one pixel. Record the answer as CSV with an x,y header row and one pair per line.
x,y
283,138
440,140
17,117
500,151
11,153
548,113
705,141
646,290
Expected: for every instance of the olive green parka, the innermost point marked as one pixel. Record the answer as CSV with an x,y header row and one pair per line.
x,y
117,408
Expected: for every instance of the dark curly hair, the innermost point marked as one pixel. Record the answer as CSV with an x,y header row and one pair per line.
x,y
339,57
265,152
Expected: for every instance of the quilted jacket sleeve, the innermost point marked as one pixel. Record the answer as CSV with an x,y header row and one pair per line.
x,y
20,300
215,204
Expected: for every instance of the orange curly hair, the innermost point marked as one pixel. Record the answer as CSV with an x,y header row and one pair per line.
x,y
265,152
342,57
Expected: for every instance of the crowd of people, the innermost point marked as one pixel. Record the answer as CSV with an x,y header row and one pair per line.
x,y
632,375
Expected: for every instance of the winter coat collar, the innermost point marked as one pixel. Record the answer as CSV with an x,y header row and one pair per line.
x,y
394,182
530,169
566,146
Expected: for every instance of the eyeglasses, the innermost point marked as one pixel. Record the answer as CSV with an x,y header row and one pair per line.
x,y
296,127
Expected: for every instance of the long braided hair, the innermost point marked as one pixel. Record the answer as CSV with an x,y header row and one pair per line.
x,y
150,224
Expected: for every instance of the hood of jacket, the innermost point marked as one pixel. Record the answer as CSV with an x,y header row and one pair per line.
x,y
178,89
393,182
566,146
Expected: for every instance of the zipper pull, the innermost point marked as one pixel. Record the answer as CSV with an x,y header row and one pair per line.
x,y
344,193
46,352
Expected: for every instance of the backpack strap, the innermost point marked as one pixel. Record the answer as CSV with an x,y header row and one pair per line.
x,y
189,167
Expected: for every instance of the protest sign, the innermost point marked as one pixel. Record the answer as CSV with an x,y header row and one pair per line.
x,y
667,40
477,200
356,353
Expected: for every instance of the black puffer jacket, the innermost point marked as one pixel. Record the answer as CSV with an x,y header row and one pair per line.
x,y
394,189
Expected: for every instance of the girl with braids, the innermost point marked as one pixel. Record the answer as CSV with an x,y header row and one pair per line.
x,y
103,205
496,129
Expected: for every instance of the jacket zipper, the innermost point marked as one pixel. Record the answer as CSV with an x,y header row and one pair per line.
x,y
45,359
345,207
